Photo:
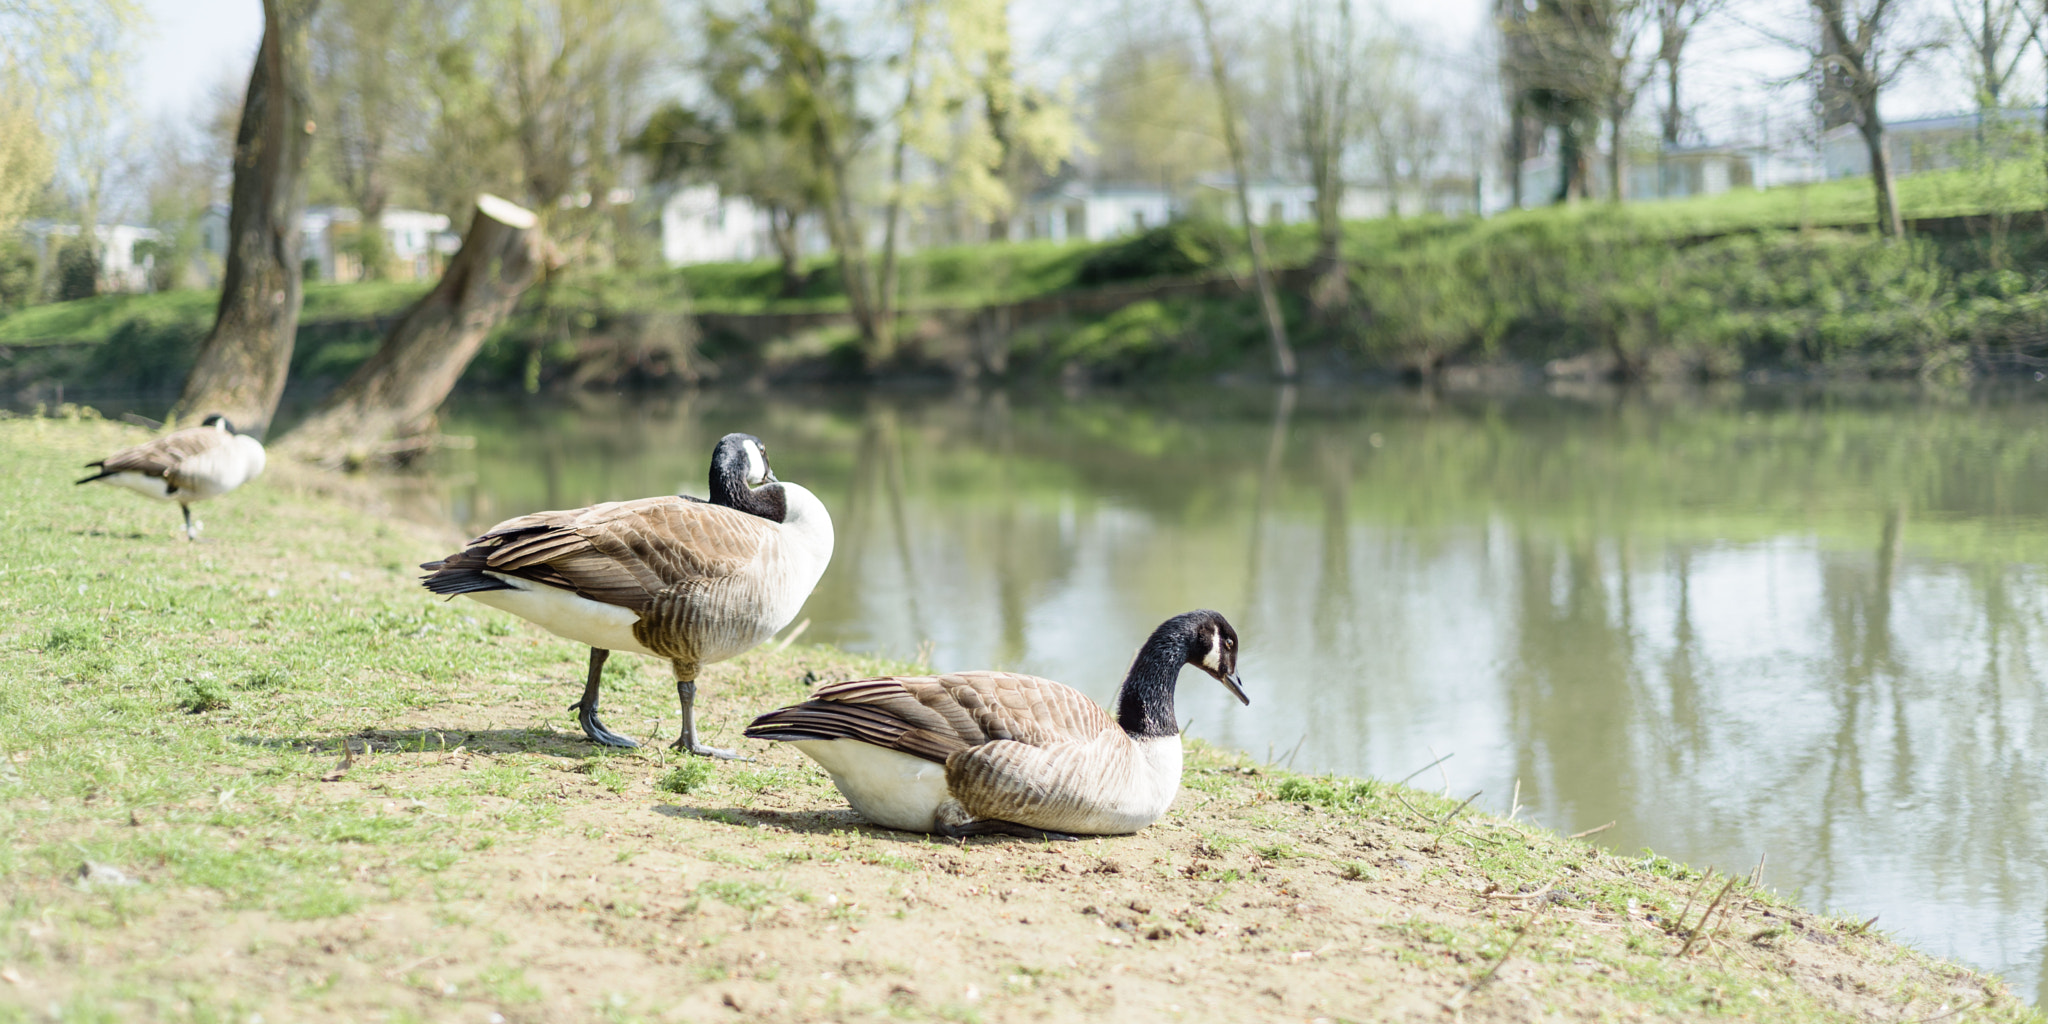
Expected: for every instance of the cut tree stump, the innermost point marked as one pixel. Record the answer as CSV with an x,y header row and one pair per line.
x,y
385,411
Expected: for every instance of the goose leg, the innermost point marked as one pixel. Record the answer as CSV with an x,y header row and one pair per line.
x,y
686,695
190,532
999,827
586,709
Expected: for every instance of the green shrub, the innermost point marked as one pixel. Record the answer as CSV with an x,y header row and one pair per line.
x,y
1182,247
1328,792
687,777
78,270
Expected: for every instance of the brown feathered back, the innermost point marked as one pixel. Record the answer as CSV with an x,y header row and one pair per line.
x,y
623,553
162,456
934,717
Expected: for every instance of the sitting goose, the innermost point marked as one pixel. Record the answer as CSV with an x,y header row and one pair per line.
x,y
185,466
977,753
670,577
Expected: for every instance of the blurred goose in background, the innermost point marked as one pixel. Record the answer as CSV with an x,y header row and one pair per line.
x,y
684,579
185,466
976,753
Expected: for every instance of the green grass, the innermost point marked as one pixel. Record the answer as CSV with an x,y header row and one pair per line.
x,y
96,319
173,708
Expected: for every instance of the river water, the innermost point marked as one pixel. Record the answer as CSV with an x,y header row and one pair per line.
x,y
1803,627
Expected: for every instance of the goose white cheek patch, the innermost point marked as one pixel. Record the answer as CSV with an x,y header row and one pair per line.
x,y
757,466
1215,659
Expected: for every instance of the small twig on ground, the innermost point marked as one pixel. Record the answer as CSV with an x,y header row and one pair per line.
x,y
1519,895
1701,928
1456,810
1694,895
1594,831
1424,768
1411,807
1756,874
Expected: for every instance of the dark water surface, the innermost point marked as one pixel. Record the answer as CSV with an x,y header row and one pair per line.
x,y
1811,626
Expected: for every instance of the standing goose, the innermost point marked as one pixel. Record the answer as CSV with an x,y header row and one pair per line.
x,y
185,466
670,577
978,753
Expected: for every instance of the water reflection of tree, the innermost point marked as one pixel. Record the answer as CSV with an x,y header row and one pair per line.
x,y
1335,605
1262,502
1570,680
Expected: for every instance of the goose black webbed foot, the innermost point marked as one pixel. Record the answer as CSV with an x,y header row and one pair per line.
x,y
999,827
689,745
594,727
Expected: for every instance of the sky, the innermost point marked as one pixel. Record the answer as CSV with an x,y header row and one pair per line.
x,y
187,47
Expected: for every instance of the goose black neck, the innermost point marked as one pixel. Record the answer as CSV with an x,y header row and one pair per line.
x,y
1144,705
766,501
729,488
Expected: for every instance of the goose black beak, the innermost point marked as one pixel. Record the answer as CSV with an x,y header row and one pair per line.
x,y
1235,685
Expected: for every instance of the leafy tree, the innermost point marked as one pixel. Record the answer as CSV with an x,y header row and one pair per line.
x,y
1152,115
680,144
368,60
1863,46
60,80
1676,20
24,154
1574,64
764,111
1327,64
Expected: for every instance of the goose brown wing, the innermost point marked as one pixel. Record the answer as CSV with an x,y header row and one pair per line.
x,y
828,720
960,710
621,553
162,456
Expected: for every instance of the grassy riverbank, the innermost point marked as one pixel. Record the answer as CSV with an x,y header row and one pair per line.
x,y
180,713
1711,286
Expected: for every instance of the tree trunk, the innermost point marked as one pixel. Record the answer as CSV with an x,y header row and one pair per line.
x,y
1571,163
372,247
885,295
1616,190
1889,222
392,397
1331,288
782,225
1269,302
877,332
241,367
1518,151
1672,114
